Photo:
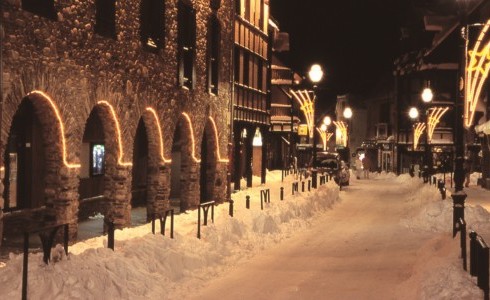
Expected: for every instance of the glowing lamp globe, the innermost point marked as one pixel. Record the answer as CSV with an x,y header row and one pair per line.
x,y
315,73
347,113
413,113
427,95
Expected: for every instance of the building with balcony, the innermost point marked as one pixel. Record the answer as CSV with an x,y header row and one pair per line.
x,y
251,79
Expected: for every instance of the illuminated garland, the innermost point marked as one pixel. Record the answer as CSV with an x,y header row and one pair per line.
x,y
325,137
118,131
217,143
193,142
435,115
476,73
160,135
342,126
307,106
418,130
61,127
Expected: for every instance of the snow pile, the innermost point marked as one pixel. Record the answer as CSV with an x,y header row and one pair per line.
x,y
438,274
382,175
147,266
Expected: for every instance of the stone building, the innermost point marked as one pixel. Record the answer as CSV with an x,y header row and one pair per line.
x,y
108,105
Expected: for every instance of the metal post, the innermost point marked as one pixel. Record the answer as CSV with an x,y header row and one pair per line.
x,y
231,208
247,202
282,193
25,266
473,252
462,225
458,210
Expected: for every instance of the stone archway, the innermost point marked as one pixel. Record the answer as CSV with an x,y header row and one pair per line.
x,y
184,189
39,183
209,159
150,174
104,187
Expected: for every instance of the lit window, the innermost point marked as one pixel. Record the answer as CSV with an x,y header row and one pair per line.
x,y
186,44
213,54
97,159
43,8
105,18
152,30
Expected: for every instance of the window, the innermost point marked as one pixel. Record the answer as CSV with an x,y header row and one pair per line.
x,y
213,54
238,7
105,18
152,27
186,44
247,10
97,159
215,4
246,68
43,8
236,64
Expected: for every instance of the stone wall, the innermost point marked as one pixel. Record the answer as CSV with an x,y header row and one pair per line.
x,y
77,68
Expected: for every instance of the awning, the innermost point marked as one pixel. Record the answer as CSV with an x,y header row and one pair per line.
x,y
485,128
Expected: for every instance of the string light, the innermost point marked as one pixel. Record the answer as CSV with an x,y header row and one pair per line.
x,y
477,71
216,139
61,127
160,135
434,117
419,129
325,136
118,131
193,143
342,126
306,105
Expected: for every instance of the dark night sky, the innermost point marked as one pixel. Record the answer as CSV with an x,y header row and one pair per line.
x,y
354,40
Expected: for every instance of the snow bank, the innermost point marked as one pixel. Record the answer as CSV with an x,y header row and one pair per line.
x,y
438,274
147,266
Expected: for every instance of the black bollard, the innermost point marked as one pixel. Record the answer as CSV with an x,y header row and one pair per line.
x,y
231,208
247,202
282,193
302,186
309,185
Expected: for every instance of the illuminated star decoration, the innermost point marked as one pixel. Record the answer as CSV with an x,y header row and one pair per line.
x,y
419,129
325,137
435,115
342,127
306,102
477,69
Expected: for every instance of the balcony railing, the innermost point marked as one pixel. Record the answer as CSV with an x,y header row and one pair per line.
x,y
281,75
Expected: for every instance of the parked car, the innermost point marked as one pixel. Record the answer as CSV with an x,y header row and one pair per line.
x,y
331,164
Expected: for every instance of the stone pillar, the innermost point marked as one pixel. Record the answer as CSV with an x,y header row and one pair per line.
x,y
66,202
119,193
158,190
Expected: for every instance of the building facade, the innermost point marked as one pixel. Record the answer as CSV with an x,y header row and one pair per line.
x,y
251,103
110,105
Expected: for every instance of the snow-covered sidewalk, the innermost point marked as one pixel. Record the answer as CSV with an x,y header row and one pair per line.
x,y
147,266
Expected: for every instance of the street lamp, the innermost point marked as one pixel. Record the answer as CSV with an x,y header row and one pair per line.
x,y
348,115
459,196
315,74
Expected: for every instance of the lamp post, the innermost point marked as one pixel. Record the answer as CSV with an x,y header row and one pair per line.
x,y
315,74
347,115
427,97
459,196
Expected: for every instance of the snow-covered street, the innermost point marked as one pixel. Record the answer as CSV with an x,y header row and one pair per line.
x,y
384,238
359,250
